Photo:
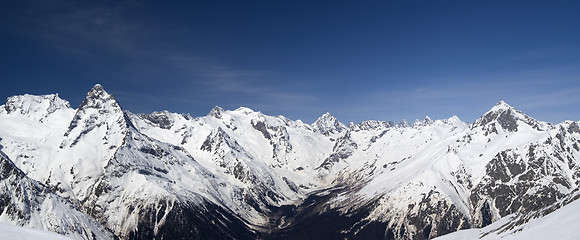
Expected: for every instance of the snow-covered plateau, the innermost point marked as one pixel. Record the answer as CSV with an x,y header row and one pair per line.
x,y
102,172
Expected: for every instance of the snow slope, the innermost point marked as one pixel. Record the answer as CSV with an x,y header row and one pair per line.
x,y
240,174
11,232
26,202
561,223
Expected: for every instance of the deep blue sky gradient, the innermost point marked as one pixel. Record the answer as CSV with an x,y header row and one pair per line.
x,y
359,60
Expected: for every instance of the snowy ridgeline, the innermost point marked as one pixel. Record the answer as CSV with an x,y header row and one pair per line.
x,y
241,174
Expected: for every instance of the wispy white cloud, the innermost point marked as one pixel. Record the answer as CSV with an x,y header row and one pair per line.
x,y
121,33
227,81
83,28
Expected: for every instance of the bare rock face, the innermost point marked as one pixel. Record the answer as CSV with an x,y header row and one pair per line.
x,y
159,119
343,148
508,118
526,179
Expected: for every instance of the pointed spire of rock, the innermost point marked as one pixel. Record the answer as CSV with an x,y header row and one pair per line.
x,y
97,97
403,123
426,121
216,112
508,118
501,105
98,110
371,125
328,124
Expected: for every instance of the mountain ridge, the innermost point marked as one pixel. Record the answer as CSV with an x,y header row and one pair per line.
x,y
266,177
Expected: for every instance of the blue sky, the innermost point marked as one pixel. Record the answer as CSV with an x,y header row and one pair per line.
x,y
359,60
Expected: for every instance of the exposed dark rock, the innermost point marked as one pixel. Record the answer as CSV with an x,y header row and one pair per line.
x,y
216,112
159,119
190,221
516,183
261,126
574,128
22,199
343,148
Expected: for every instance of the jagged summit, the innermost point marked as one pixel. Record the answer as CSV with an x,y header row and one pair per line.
x,y
161,119
403,123
325,118
97,97
252,176
370,125
426,121
502,113
216,112
501,105
508,118
327,124
35,107
99,110
99,86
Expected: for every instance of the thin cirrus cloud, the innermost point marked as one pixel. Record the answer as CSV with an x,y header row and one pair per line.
x,y
86,32
191,57
226,81
83,30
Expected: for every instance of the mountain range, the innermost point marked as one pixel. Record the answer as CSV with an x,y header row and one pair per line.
x,y
102,172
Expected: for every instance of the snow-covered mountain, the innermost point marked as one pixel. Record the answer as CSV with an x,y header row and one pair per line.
x,y
241,174
25,202
557,221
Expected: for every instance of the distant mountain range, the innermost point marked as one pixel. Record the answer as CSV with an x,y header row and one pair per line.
x,y
102,172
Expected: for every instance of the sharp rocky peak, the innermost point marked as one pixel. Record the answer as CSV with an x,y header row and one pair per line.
x,y
216,112
98,109
404,123
371,125
326,118
501,105
97,97
426,121
327,124
508,118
